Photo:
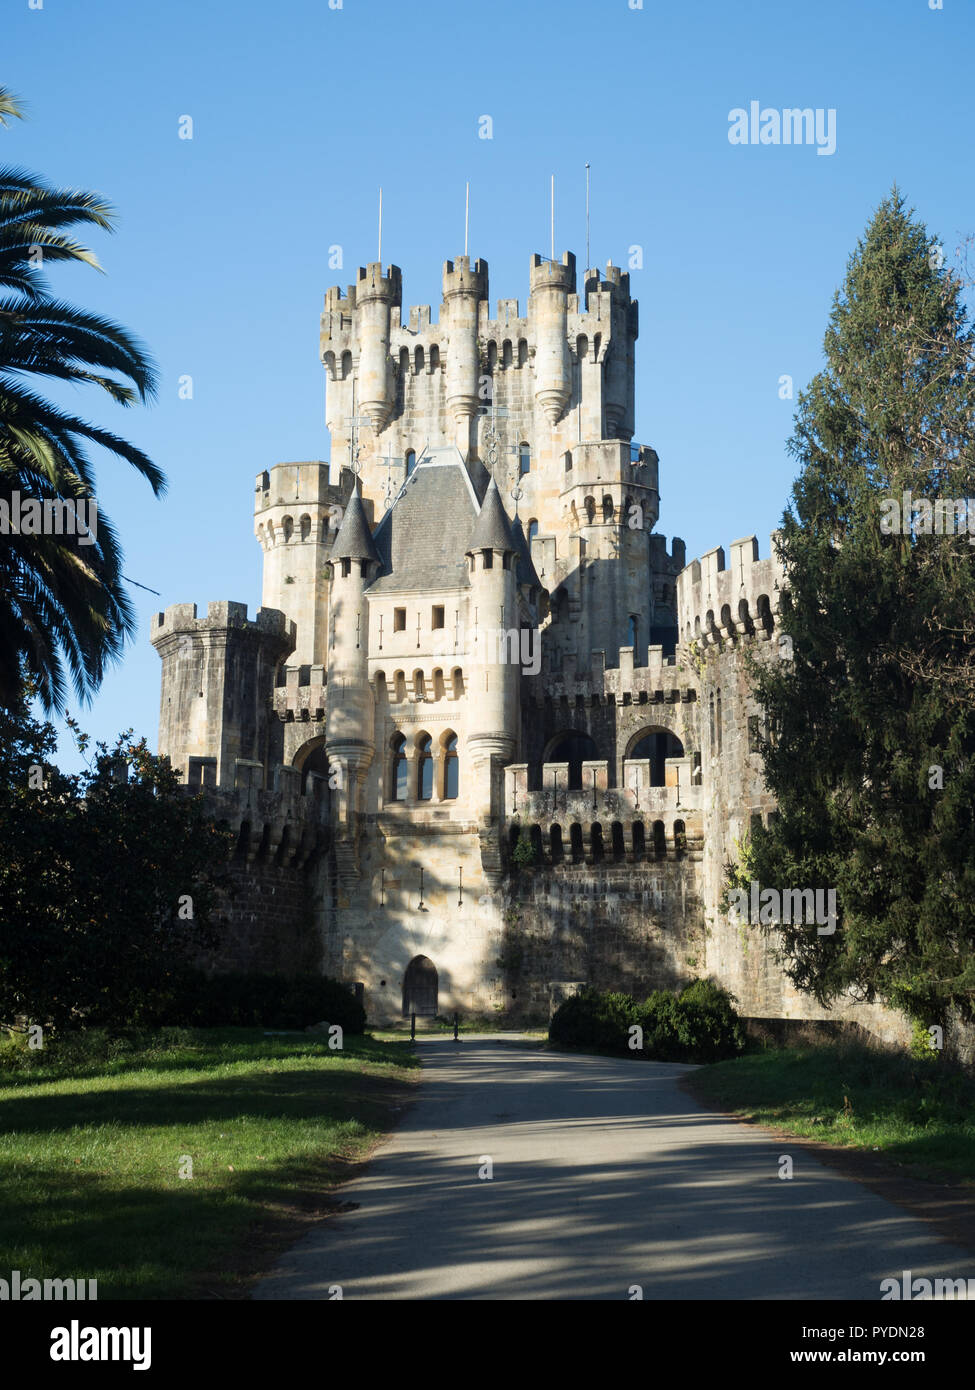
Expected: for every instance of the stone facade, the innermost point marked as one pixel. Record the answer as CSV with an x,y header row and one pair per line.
x,y
474,650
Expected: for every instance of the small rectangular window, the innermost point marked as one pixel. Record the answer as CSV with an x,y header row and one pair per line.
x,y
399,619
754,733
437,620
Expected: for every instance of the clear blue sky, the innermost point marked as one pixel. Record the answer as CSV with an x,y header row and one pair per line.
x,y
301,112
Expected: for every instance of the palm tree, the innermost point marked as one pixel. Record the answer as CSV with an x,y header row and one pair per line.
x,y
62,600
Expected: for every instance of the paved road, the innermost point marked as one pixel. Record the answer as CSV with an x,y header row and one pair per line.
x,y
605,1175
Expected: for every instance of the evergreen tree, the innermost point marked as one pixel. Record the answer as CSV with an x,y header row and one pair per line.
x,y
871,726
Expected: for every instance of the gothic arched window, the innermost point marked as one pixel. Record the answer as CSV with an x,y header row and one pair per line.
x,y
524,459
410,461
451,777
532,531
424,769
397,786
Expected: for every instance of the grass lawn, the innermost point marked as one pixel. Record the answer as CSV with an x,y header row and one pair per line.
x,y
94,1135
919,1113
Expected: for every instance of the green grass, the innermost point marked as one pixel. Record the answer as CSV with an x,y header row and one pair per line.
x,y
919,1113
93,1132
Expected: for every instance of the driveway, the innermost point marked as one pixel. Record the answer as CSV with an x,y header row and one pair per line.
x,y
605,1177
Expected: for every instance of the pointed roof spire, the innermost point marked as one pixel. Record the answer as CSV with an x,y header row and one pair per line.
x,y
354,540
492,529
527,574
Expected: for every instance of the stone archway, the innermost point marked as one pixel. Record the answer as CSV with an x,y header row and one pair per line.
x,y
420,985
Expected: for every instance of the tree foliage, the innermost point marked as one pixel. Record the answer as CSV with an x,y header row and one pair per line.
x,y
62,598
871,734
108,878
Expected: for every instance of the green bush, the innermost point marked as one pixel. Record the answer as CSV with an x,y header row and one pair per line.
x,y
699,1025
252,1000
591,1019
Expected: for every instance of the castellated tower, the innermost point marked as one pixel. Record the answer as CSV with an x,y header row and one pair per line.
x,y
474,642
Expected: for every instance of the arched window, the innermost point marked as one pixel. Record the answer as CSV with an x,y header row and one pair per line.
x,y
608,509
658,745
506,353
346,365
424,768
451,777
556,848
305,527
287,526
619,848
438,685
532,530
639,839
575,840
457,682
434,358
522,352
418,360
574,749
596,841
680,836
410,461
419,686
397,781
590,510
659,839
524,459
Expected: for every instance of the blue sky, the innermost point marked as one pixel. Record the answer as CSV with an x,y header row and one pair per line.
x,y
300,112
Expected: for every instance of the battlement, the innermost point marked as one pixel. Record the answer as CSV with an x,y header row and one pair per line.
x,y
717,604
460,278
615,283
371,283
548,274
286,822
601,463
289,483
180,619
664,561
302,696
661,681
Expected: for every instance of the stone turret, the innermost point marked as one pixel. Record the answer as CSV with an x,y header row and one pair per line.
x,y
551,285
377,295
216,675
350,732
463,291
495,662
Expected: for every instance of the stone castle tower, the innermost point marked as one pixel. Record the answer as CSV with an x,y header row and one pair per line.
x,y
473,641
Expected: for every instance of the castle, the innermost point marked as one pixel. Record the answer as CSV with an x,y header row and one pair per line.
x,y
487,739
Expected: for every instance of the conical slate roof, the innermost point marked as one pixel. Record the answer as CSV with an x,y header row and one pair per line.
x,y
527,574
354,540
492,530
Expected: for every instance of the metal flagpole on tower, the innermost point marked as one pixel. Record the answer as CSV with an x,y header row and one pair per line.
x,y
467,214
553,217
587,219
380,230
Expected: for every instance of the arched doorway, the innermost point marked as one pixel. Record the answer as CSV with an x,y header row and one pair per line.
x,y
658,745
573,748
420,988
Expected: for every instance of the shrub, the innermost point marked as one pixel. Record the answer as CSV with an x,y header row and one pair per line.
x,y
253,1000
699,1025
708,1026
592,1019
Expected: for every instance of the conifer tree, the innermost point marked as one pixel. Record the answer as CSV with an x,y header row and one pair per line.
x,y
870,747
